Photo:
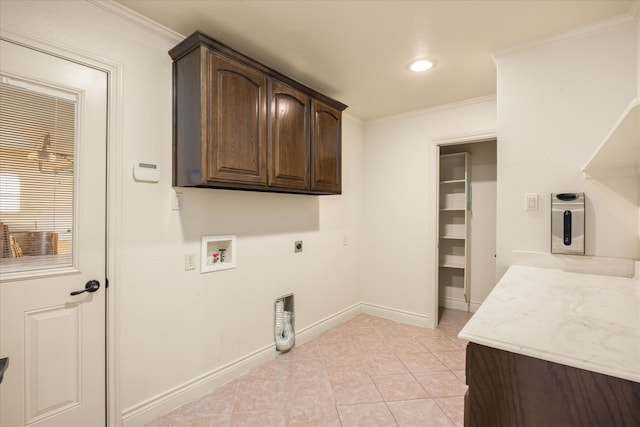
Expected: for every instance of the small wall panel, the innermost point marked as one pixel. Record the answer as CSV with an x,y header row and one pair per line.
x,y
52,361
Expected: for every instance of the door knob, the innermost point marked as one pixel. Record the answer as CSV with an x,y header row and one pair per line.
x,y
91,286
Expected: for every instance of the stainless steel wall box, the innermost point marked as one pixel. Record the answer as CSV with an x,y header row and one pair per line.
x,y
567,223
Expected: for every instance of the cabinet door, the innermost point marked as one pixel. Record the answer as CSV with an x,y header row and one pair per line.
x,y
288,137
235,111
326,149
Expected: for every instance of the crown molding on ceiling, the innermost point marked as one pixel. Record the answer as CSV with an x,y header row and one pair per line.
x,y
634,10
447,106
576,33
138,19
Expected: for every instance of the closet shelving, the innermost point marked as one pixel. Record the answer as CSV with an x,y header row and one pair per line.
x,y
453,244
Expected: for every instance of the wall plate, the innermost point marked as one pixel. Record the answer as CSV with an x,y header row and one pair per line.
x,y
531,202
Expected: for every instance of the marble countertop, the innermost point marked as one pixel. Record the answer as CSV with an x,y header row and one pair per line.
x,y
587,321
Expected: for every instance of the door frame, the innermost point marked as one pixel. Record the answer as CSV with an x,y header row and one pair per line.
x,y
114,122
481,136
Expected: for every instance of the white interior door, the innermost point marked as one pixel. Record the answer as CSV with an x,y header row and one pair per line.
x,y
54,341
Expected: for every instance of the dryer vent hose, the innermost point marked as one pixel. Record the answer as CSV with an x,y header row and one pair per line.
x,y
284,335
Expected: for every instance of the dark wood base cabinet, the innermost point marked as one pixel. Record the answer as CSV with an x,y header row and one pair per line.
x,y
509,389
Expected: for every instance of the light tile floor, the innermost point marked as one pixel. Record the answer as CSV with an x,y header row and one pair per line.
x,y
367,371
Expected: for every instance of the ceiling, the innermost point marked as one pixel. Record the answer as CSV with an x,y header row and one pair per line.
x,y
358,52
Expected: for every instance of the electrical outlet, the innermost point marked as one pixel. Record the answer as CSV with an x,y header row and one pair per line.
x,y
298,246
189,262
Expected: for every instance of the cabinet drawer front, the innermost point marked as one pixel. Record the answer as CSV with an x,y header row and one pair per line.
x,y
236,128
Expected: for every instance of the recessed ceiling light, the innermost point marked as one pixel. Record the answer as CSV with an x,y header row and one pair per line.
x,y
421,65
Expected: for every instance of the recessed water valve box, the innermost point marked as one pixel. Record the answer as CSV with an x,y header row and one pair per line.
x,y
218,253
567,223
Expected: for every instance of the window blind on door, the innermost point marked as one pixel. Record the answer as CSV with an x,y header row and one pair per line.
x,y
37,151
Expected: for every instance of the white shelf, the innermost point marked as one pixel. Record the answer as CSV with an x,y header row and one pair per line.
x,y
452,223
453,265
619,153
452,167
453,247
452,258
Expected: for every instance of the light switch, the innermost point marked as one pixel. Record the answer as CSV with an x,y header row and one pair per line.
x,y
176,200
531,202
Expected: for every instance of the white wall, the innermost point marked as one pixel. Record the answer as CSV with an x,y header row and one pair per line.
x,y
556,103
399,220
553,98
176,328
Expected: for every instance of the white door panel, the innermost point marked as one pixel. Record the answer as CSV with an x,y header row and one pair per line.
x,y
55,341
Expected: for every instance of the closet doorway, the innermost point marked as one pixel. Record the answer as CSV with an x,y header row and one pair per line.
x,y
466,222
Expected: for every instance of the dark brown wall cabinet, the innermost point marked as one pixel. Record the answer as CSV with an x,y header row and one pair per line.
x,y
239,124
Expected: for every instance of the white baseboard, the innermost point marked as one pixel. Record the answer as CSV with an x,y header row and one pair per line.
x,y
314,330
459,304
453,303
396,315
164,403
